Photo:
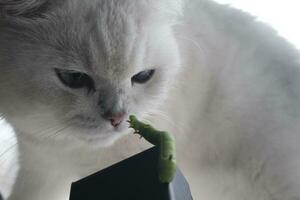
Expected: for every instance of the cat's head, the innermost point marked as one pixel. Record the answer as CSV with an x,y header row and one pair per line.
x,y
73,69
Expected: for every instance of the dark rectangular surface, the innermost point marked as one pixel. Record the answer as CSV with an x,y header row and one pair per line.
x,y
135,178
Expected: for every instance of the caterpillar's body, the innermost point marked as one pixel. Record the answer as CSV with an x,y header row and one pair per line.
x,y
165,143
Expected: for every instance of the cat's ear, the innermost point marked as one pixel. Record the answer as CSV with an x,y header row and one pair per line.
x,y
23,8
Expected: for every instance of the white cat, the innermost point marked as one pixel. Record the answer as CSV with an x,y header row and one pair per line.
x,y
224,84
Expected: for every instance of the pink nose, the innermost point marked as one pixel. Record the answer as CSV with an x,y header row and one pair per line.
x,y
117,119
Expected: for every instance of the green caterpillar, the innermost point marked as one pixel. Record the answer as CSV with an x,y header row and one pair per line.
x,y
165,143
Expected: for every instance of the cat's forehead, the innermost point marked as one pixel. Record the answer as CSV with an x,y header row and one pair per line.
x,y
110,37
117,40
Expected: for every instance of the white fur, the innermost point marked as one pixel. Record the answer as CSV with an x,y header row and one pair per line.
x,y
234,110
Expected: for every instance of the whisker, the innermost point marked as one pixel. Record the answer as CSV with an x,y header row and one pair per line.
x,y
42,133
196,44
7,151
46,133
57,133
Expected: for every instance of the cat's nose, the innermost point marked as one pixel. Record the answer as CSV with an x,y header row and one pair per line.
x,y
116,119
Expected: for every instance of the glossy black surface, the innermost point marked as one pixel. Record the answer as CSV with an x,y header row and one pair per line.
x,y
135,178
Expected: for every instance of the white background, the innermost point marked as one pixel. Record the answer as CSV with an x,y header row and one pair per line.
x,y
283,15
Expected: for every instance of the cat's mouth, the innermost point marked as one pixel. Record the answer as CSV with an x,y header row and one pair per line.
x,y
96,130
92,128
100,129
99,135
84,122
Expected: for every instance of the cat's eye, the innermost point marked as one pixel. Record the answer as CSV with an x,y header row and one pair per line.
x,y
74,79
143,76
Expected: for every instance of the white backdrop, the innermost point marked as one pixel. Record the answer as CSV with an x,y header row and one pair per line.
x,y
283,15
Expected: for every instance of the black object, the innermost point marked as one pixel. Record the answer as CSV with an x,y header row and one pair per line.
x,y
1,197
135,178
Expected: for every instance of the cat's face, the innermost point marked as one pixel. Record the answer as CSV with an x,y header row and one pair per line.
x,y
67,72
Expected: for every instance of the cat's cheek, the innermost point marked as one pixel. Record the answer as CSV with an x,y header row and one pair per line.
x,y
149,97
